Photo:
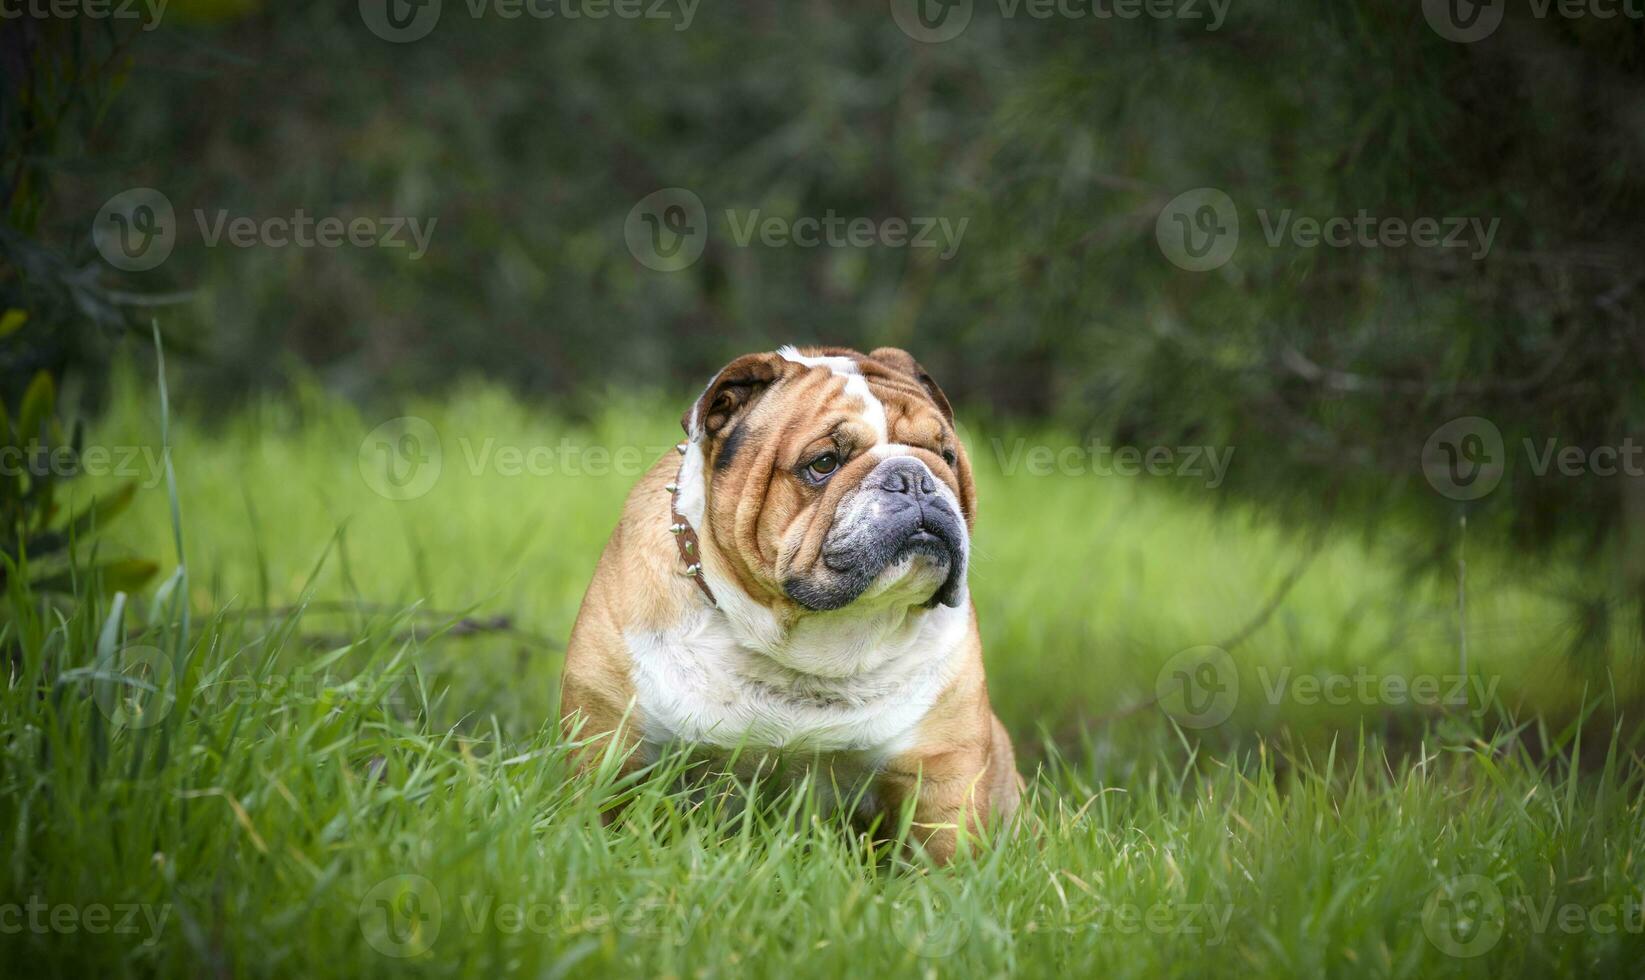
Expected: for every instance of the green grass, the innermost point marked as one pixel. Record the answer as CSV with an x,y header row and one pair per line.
x,y
325,748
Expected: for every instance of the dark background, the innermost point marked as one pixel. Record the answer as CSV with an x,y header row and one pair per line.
x,y
1057,140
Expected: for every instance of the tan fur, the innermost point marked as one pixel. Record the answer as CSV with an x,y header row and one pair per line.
x,y
762,524
962,770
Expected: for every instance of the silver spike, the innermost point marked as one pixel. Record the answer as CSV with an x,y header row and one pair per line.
x,y
681,448
692,571
671,487
676,528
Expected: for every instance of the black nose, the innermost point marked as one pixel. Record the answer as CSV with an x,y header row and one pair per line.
x,y
906,475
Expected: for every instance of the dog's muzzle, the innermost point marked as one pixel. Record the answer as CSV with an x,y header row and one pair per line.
x,y
899,510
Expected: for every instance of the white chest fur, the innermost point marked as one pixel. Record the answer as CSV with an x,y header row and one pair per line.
x,y
835,683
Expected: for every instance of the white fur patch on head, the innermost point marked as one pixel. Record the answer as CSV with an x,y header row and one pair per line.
x,y
693,497
855,385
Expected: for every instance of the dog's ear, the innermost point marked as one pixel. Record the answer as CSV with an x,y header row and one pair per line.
x,y
731,392
901,360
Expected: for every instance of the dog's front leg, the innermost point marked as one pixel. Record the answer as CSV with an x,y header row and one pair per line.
x,y
958,791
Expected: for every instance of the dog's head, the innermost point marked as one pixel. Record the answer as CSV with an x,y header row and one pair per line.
x,y
826,478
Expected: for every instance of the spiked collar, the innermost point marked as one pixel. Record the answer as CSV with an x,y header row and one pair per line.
x,y
685,536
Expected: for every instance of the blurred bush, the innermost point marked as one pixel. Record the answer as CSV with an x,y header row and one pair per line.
x,y
57,310
1058,141
59,321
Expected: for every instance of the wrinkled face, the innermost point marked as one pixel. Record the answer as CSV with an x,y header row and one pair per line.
x,y
834,480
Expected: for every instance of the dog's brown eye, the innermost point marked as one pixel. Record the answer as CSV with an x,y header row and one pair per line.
x,y
824,465
949,457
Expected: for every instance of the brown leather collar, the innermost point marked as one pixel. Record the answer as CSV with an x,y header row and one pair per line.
x,y
685,536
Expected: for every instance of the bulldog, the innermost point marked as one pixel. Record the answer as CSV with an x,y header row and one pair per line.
x,y
793,581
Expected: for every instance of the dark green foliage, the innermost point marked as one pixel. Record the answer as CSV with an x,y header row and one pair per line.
x,y
58,318
63,311
1057,141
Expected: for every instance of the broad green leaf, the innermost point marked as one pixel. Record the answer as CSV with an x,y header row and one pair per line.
x,y
124,575
104,509
86,522
38,403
